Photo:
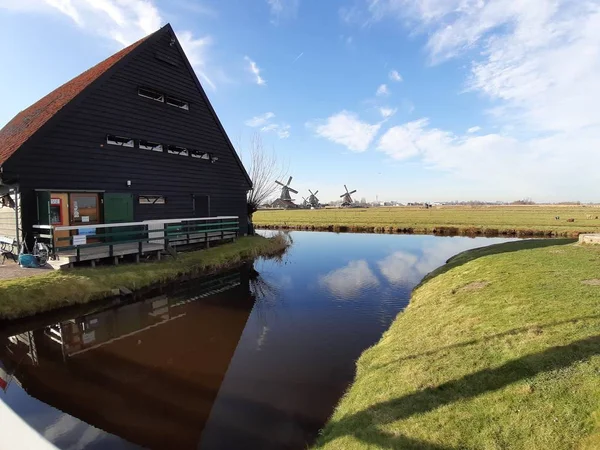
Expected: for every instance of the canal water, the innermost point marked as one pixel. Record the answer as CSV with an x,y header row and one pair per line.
x,y
254,358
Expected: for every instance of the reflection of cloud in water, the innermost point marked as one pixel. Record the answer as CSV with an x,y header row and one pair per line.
x,y
349,280
408,268
68,431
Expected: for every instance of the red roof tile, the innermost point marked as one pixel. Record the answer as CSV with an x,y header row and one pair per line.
x,y
25,124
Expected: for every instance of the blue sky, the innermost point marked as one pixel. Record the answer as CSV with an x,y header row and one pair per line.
x,y
426,100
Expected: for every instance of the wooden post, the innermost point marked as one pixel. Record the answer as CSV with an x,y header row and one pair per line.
x,y
158,255
137,258
116,260
93,263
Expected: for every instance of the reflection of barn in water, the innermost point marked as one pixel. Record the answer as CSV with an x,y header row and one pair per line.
x,y
148,372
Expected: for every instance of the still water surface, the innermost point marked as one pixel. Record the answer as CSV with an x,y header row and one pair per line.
x,y
252,358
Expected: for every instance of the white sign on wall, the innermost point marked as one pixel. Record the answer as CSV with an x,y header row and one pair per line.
x,y
79,239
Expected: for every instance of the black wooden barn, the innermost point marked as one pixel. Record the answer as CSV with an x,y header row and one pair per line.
x,y
134,138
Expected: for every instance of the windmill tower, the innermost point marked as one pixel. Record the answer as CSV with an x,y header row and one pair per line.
x,y
346,197
313,200
305,203
284,200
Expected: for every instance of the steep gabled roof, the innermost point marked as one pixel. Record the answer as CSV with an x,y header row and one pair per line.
x,y
25,124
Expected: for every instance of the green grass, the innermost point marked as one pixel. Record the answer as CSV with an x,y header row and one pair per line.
x,y
27,296
494,220
500,349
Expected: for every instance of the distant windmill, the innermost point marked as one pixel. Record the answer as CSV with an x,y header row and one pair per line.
x,y
285,191
347,199
305,202
313,200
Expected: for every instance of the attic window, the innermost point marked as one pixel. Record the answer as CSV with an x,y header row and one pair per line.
x,y
199,154
148,145
149,93
177,150
178,103
151,200
119,140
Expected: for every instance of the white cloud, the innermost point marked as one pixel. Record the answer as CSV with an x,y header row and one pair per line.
x,y
260,120
255,70
282,130
196,50
347,129
474,129
530,167
264,121
387,112
395,76
122,21
382,90
539,62
349,281
283,9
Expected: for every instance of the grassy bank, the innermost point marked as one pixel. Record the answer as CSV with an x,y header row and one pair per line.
x,y
498,349
447,220
27,296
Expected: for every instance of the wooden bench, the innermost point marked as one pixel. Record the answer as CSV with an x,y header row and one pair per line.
x,y
8,248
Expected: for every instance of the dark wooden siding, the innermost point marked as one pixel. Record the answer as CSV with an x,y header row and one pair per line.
x,y
72,153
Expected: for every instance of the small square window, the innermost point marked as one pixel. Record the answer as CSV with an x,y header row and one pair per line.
x,y
119,140
177,150
149,93
151,200
177,103
148,145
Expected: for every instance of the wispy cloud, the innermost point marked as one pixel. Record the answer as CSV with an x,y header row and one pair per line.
x,y
283,9
347,129
387,112
474,129
534,60
260,120
382,90
395,76
123,22
297,57
255,70
264,121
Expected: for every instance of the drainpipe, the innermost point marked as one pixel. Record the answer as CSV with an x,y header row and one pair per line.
x,y
17,203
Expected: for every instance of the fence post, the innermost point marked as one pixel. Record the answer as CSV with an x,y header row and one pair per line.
x,y
165,236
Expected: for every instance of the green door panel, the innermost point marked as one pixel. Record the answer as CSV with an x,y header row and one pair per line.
x,y
43,204
118,208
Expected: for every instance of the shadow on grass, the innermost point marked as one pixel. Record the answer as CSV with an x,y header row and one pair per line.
x,y
530,328
506,247
364,425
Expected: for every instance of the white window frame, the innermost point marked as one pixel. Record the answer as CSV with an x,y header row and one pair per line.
x,y
149,145
110,139
181,104
199,154
181,151
160,97
152,200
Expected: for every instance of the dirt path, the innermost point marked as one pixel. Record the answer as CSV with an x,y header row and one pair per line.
x,y
10,270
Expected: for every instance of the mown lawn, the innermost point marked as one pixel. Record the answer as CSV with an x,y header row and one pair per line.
x,y
500,349
27,296
517,220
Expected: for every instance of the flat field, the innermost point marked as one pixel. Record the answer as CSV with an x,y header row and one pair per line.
x,y
483,220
